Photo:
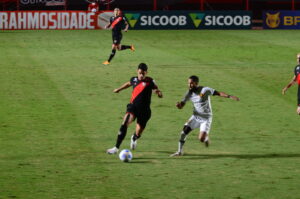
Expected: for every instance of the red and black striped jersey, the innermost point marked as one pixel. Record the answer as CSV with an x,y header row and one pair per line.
x,y
142,91
117,24
297,73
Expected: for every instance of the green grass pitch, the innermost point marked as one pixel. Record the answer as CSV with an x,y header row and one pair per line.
x,y
58,115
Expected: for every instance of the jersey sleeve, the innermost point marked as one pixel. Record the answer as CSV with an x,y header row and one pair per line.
x,y
153,84
111,20
132,81
297,70
297,74
206,91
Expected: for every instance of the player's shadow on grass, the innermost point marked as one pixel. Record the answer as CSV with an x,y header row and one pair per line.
x,y
238,156
137,161
244,156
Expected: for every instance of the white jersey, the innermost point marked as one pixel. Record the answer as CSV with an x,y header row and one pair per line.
x,y
201,100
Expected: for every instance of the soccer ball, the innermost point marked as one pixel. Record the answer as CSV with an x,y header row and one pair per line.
x,y
125,155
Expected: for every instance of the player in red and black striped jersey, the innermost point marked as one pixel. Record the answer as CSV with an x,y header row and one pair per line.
x,y
117,23
139,106
296,79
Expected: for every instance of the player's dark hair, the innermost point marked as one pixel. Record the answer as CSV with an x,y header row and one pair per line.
x,y
194,78
143,67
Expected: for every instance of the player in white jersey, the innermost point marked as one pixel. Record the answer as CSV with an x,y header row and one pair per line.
x,y
202,113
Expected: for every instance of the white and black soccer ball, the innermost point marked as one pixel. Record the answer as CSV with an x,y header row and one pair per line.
x,y
125,155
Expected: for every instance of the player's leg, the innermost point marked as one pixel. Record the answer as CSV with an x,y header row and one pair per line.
x,y
124,47
114,48
187,128
113,52
142,119
183,135
204,131
128,119
136,135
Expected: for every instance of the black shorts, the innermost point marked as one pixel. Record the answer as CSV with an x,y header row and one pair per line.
x,y
116,38
142,114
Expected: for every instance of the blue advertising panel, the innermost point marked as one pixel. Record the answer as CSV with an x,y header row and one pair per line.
x,y
281,19
189,20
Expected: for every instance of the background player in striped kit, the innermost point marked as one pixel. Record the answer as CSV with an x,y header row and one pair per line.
x,y
295,79
117,23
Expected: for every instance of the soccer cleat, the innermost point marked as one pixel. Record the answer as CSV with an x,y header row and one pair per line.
x,y
106,63
113,150
206,143
178,153
132,48
133,143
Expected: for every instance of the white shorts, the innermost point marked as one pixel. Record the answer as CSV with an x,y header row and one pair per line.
x,y
203,123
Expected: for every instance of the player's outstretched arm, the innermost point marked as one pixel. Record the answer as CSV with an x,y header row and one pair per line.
x,y
293,81
222,94
158,93
124,86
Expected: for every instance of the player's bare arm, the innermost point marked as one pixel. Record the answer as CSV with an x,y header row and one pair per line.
x,y
124,86
126,26
107,25
292,82
222,94
180,105
158,93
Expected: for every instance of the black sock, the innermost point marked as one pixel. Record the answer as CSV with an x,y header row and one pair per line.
x,y
135,137
121,135
124,47
113,52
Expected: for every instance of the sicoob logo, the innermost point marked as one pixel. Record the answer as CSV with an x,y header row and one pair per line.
x,y
132,18
197,18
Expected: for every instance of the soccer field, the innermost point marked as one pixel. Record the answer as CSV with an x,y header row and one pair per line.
x,y
58,115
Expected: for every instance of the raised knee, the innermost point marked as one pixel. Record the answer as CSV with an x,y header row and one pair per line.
x,y
186,129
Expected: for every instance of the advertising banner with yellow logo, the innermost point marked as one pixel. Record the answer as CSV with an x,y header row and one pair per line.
x,y
281,19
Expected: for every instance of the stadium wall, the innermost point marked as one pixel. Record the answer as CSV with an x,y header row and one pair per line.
x,y
281,19
70,20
